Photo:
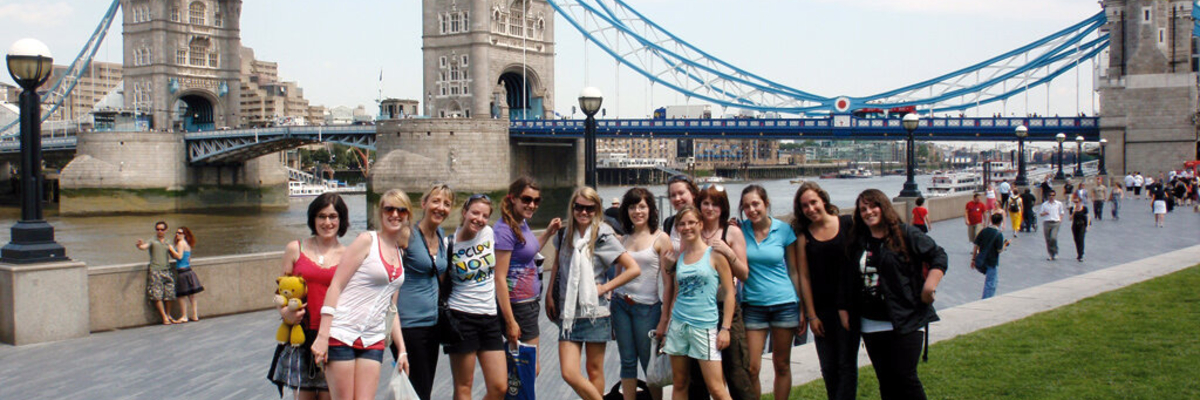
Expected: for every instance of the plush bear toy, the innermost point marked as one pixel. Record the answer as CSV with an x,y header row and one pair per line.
x,y
291,293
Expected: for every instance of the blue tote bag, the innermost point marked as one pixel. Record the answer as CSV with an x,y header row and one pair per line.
x,y
522,373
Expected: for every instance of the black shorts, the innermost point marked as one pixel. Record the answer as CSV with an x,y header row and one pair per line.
x,y
480,333
526,314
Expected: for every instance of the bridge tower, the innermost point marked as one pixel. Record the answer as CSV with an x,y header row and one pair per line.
x,y
183,62
1148,89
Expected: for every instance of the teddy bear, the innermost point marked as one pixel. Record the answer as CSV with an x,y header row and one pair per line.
x,y
291,293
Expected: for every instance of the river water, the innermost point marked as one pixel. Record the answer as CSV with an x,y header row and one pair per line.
x,y
106,240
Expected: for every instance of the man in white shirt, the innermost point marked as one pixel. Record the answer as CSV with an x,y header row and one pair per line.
x,y
1138,182
1005,192
1129,182
1051,212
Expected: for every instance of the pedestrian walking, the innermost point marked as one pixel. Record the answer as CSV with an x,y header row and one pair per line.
x,y
821,253
1045,187
1115,196
887,296
581,293
425,261
920,215
699,330
990,197
1080,221
315,259
160,282
1015,215
1028,201
472,304
187,284
1005,192
356,310
973,216
1139,182
1158,204
990,243
1051,212
1099,195
638,308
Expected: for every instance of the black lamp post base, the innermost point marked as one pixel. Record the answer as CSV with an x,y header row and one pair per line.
x,y
32,242
910,190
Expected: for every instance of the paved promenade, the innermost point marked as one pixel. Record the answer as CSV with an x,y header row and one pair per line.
x,y
227,357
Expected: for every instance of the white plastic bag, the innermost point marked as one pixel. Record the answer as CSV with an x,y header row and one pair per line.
x,y
401,388
658,373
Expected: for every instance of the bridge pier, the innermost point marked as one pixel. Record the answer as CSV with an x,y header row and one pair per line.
x,y
148,172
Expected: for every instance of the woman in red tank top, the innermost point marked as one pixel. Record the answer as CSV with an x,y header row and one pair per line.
x,y
315,259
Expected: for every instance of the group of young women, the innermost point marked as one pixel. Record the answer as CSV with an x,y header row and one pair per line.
x,y
713,287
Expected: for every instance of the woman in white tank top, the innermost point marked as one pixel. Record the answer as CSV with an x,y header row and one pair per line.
x,y
351,340
637,307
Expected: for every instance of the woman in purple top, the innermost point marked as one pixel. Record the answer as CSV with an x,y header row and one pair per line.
x,y
516,247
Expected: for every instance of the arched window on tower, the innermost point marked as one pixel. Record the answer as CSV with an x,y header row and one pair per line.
x,y
196,13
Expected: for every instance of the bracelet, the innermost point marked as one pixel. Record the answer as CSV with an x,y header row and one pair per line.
x,y
724,328
327,310
402,354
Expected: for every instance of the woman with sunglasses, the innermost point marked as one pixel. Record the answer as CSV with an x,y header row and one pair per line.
x,y
472,303
350,342
769,297
186,284
888,296
424,263
699,329
579,300
728,241
516,249
315,259
821,255
638,307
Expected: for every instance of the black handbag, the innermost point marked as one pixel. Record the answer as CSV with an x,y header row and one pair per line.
x,y
447,327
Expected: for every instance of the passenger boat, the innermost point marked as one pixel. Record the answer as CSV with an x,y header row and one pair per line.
x,y
954,183
304,189
855,173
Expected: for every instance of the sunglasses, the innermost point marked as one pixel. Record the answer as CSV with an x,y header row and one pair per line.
x,y
531,200
582,208
390,209
179,233
160,229
480,196
716,186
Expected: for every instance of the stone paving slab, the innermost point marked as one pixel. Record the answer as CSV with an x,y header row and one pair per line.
x,y
226,357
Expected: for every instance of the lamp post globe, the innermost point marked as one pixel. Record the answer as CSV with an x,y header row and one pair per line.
x,y
1060,137
1103,168
30,64
590,100
1079,156
1022,132
910,123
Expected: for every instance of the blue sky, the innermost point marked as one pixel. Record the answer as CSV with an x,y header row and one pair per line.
x,y
335,50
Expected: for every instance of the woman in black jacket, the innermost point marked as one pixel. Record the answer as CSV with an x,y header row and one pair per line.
x,y
886,297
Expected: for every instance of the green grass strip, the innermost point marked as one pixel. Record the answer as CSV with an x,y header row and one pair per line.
x,y
1138,342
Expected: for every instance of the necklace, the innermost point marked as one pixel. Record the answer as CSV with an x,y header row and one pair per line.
x,y
708,237
321,252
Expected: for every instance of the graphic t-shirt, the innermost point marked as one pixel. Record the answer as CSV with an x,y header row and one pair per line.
x,y
870,299
975,211
523,282
472,268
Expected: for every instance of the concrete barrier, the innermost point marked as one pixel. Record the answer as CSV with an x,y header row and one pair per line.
x,y
232,284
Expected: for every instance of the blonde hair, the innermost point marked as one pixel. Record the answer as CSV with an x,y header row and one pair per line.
x,y
397,197
436,189
589,194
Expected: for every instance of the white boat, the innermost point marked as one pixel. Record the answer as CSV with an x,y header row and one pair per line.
x,y
304,189
998,171
360,188
954,183
853,173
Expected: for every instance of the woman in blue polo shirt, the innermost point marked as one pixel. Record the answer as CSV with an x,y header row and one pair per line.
x,y
769,299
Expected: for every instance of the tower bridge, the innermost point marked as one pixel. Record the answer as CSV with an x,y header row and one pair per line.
x,y
489,89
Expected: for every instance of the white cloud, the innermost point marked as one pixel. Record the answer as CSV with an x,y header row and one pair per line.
x,y
36,13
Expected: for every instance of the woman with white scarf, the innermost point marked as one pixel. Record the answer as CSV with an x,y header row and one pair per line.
x,y
579,300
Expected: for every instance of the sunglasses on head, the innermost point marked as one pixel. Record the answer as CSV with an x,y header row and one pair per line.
x,y
581,208
478,196
392,209
678,178
716,186
531,200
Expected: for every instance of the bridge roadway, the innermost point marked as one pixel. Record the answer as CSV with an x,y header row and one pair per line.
x,y
222,146
226,357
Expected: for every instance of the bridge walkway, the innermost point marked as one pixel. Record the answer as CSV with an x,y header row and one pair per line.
x,y
226,357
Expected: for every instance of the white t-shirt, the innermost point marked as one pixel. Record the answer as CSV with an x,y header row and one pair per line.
x,y
1052,211
1004,188
1138,180
472,271
1128,180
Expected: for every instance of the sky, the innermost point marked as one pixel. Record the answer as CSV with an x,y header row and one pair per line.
x,y
337,50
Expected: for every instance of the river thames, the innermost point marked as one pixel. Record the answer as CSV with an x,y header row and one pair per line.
x,y
106,240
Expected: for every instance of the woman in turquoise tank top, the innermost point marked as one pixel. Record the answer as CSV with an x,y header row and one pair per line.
x,y
187,284
696,330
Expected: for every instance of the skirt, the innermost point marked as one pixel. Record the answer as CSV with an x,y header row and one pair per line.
x,y
1160,206
186,283
293,367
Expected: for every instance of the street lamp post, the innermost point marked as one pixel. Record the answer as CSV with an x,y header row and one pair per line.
x,y
1079,156
590,100
1021,180
1103,169
1060,137
30,64
910,122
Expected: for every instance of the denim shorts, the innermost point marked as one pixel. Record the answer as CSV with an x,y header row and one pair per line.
x,y
349,353
786,315
588,330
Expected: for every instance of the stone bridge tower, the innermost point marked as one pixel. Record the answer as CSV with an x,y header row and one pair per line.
x,y
1148,90
182,62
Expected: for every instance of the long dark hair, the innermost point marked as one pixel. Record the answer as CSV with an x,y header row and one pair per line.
x,y
187,236
506,205
800,222
632,197
894,238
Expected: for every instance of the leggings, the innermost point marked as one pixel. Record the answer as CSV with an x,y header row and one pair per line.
x,y
894,357
422,346
1078,232
838,354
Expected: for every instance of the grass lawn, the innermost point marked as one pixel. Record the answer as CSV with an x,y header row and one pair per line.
x,y
1139,342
